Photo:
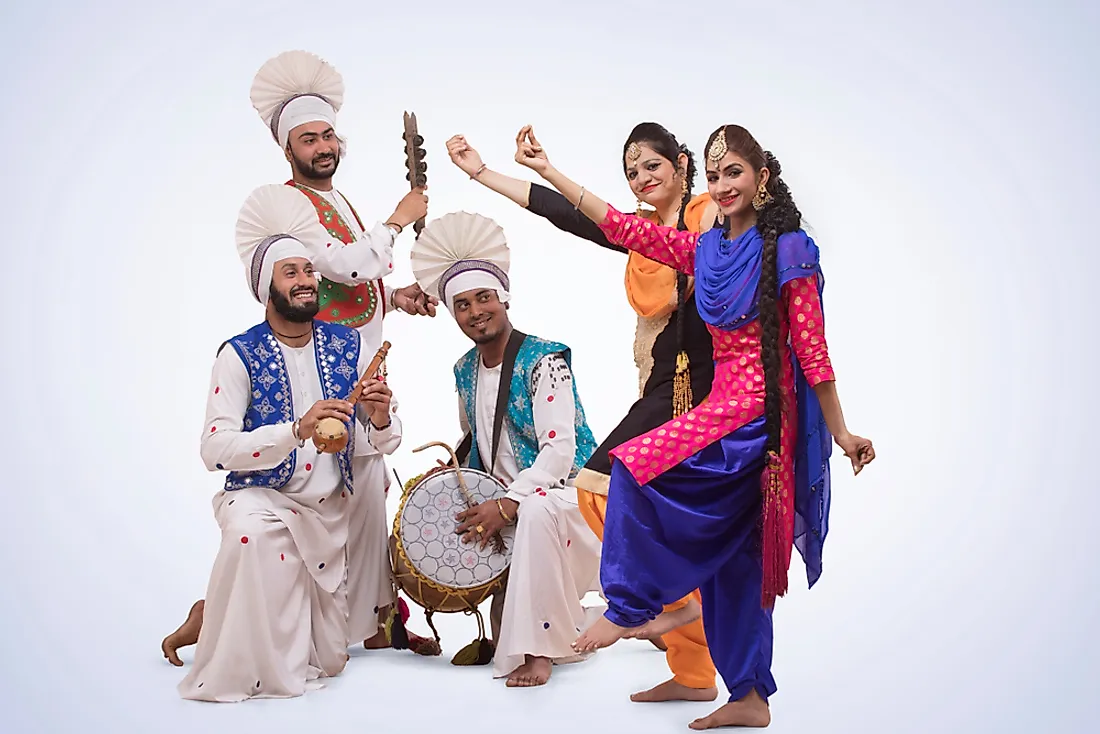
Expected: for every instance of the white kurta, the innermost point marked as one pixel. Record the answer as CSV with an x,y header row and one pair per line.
x,y
369,571
556,556
276,614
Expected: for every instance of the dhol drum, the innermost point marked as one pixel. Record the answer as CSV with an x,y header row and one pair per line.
x,y
430,562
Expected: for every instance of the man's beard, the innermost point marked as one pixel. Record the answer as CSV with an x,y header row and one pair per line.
x,y
291,312
309,169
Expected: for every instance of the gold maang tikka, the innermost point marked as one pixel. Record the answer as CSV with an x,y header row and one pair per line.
x,y
718,148
633,152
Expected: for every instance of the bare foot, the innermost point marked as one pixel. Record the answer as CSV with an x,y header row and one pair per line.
x,y
535,671
667,621
378,641
602,633
670,690
187,634
751,711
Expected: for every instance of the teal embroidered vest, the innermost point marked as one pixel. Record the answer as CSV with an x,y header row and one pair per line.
x,y
520,420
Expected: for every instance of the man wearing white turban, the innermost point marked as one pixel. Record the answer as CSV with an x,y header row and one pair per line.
x,y
275,619
297,95
536,450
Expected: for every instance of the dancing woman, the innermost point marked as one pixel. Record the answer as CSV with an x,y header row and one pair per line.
x,y
716,498
672,349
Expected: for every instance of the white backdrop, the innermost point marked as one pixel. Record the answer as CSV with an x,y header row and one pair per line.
x,y
943,152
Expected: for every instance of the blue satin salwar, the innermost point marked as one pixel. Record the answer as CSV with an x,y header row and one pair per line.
x,y
696,526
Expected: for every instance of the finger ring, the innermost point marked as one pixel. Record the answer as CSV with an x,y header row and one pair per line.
x,y
480,529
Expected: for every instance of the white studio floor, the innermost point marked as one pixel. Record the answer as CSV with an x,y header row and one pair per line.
x,y
389,691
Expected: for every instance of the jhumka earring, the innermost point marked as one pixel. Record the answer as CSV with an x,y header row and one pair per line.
x,y
762,198
684,183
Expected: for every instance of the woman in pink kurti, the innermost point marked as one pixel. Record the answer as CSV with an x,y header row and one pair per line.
x,y
717,497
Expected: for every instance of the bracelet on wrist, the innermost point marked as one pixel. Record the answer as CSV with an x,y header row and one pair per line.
x,y
478,172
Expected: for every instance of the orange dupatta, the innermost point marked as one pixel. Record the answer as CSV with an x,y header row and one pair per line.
x,y
651,286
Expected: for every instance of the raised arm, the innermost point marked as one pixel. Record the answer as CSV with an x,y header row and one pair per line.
x,y
546,203
666,245
370,257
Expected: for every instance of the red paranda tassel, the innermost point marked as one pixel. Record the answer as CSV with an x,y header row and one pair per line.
x,y
775,545
403,608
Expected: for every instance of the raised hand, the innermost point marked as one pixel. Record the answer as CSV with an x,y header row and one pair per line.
x,y
529,151
413,206
463,155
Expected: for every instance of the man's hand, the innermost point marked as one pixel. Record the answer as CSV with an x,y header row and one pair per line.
x,y
375,398
412,206
484,520
412,300
341,410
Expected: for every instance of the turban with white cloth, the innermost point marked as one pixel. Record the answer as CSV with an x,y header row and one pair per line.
x,y
460,252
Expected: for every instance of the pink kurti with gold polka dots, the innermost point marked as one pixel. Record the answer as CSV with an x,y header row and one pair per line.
x,y
737,394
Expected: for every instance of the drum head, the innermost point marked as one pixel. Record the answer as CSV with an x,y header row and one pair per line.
x,y
426,530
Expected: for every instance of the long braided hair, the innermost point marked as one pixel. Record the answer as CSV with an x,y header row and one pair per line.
x,y
776,214
665,144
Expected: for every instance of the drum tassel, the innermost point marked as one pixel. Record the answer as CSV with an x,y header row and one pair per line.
x,y
478,652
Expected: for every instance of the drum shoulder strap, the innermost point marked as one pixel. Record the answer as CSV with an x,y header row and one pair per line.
x,y
463,450
511,351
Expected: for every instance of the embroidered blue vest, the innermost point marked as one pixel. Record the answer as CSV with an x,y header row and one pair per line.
x,y
520,420
271,403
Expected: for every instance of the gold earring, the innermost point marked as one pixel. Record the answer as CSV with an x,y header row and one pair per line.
x,y
684,184
639,211
762,198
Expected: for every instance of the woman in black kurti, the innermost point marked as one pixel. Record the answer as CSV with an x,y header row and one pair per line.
x,y
672,347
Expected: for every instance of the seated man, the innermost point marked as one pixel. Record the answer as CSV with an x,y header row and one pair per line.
x,y
275,617
538,448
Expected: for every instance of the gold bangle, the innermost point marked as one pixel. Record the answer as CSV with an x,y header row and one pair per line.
x,y
503,514
479,171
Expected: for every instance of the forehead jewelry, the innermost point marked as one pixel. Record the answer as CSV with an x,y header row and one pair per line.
x,y
718,147
633,152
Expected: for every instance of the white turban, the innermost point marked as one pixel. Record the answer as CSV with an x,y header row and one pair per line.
x,y
271,251
299,111
472,277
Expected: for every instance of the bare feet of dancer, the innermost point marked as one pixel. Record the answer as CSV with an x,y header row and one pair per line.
x,y
750,711
187,634
535,671
667,621
602,633
670,690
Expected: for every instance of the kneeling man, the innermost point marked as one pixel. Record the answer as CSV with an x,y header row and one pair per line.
x,y
535,449
276,613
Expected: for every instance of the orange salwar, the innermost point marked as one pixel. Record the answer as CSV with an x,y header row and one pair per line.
x,y
688,657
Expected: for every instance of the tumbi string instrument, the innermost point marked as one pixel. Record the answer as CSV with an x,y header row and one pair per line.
x,y
331,434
